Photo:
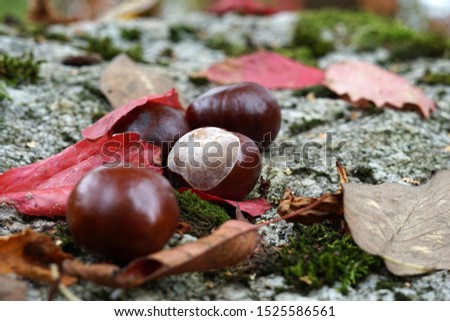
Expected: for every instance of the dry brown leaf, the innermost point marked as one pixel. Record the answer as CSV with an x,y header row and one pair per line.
x,y
29,255
407,226
331,205
124,81
229,244
12,290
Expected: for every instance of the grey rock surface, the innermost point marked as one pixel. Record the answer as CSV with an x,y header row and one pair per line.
x,y
384,146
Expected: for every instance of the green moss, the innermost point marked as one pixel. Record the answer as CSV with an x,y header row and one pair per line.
x,y
436,78
3,92
321,255
302,54
304,125
364,174
309,35
105,47
200,214
318,92
179,32
229,48
19,70
365,31
130,34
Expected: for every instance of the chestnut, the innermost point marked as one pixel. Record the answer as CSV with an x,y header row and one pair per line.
x,y
217,161
246,108
122,213
157,124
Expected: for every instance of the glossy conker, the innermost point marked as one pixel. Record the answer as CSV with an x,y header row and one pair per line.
x,y
122,213
157,124
246,108
217,161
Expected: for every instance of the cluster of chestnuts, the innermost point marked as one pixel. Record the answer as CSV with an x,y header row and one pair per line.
x,y
215,147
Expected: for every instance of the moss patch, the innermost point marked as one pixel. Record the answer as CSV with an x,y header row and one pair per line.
x,y
131,34
321,255
229,48
105,47
364,31
304,125
436,78
301,54
200,214
19,70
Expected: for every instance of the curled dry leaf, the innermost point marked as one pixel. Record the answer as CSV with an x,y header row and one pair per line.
x,y
29,254
124,81
407,226
105,124
229,244
43,188
254,207
12,290
361,84
331,205
267,69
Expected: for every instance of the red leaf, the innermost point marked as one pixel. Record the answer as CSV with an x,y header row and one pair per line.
x,y
254,207
106,123
257,7
361,83
265,68
42,188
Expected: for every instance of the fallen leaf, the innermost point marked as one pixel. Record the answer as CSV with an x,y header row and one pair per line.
x,y
254,207
361,84
266,68
105,124
124,81
29,255
254,6
42,188
12,290
407,226
229,244
331,204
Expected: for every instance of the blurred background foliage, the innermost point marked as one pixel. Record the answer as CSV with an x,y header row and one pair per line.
x,y
418,14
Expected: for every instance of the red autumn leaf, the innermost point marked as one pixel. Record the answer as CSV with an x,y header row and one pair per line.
x,y
265,68
107,122
258,7
42,188
361,83
254,207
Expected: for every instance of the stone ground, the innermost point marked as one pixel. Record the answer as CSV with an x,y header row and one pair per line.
x,y
387,146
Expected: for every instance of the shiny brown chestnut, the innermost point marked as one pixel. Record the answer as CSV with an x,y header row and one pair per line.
x,y
122,213
246,108
217,161
157,124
